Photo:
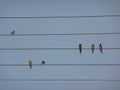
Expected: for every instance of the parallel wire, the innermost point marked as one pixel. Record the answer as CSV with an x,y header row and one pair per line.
x,y
63,34
50,17
60,65
97,16
73,80
55,48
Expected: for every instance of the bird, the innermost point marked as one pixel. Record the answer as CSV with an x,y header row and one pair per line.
x,y
101,48
80,48
92,48
30,64
43,62
13,32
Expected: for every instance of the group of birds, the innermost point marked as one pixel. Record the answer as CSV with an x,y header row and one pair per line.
x,y
80,45
92,48
80,48
30,63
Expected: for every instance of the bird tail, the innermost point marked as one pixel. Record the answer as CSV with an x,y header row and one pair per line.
x,y
30,67
101,51
80,51
92,51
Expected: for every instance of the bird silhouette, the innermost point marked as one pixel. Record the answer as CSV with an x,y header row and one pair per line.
x,y
30,64
43,62
13,32
92,48
80,48
101,48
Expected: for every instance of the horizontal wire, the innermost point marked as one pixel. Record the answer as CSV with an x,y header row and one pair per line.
x,y
54,48
60,64
47,17
68,34
107,80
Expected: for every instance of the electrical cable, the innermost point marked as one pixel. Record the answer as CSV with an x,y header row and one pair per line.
x,y
63,34
74,80
60,65
55,48
50,17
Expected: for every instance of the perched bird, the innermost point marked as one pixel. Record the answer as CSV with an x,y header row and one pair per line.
x,y
30,64
92,48
13,32
101,48
43,62
80,48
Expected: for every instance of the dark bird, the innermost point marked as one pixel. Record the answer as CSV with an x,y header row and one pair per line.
x,y
30,64
43,62
92,48
101,48
80,48
13,32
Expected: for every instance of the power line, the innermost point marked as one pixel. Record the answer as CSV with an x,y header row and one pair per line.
x,y
67,34
60,65
73,80
51,17
55,48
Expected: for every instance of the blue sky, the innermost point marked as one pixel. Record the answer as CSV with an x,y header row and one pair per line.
x,y
35,8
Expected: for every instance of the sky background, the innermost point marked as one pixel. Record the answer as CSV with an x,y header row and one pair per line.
x,y
34,8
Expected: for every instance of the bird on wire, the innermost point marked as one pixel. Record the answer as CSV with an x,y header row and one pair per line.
x,y
92,48
30,64
80,48
12,33
43,62
101,48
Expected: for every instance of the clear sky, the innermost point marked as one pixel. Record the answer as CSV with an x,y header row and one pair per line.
x,y
35,8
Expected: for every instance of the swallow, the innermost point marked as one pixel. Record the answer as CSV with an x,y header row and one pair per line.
x,y
80,48
92,48
101,48
30,64
43,62
13,32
